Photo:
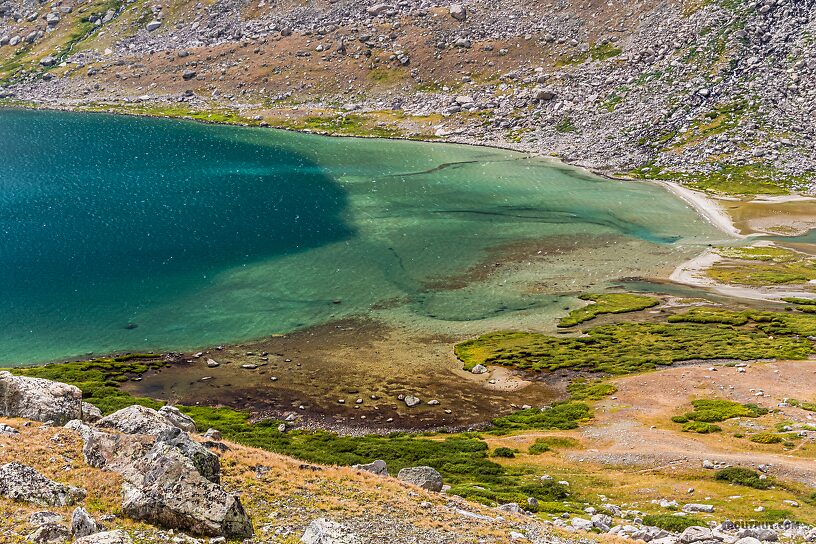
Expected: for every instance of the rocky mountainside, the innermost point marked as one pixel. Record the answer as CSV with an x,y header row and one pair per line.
x,y
719,94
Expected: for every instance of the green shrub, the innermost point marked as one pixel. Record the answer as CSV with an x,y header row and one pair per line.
x,y
700,427
562,415
504,452
538,448
549,443
623,348
583,389
674,524
742,476
716,410
766,438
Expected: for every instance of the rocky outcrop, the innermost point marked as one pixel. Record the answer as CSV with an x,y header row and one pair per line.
x,y
39,399
169,491
23,483
424,477
169,479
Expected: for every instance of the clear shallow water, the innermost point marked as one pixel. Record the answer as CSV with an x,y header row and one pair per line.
x,y
121,233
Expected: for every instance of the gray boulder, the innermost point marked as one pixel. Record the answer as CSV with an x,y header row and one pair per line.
x,y
170,492
377,467
82,524
90,413
38,399
153,25
50,533
691,508
108,537
22,483
424,477
458,12
41,518
174,416
6,429
478,369
205,462
748,540
323,531
136,420
696,534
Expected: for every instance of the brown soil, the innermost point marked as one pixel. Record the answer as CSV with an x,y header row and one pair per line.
x,y
347,360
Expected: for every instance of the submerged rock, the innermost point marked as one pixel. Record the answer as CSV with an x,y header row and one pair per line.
x,y
38,399
22,483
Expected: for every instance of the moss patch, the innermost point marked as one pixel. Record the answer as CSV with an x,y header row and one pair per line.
x,y
610,303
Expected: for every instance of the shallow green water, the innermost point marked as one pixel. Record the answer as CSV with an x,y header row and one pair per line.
x,y
126,234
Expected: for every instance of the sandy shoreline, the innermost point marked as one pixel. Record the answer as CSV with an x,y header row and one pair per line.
x,y
704,205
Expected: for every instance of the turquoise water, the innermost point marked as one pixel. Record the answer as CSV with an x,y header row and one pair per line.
x,y
124,233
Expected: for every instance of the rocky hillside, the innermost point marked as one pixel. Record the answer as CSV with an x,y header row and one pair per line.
x,y
719,94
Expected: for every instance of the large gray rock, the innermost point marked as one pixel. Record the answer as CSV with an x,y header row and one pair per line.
x,y
22,483
205,462
50,533
136,420
41,518
38,399
108,537
424,477
324,531
458,12
6,429
174,416
82,524
696,534
170,492
691,508
748,540
90,413
377,467
111,451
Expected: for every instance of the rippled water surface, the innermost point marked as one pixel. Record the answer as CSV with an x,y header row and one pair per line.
x,y
121,233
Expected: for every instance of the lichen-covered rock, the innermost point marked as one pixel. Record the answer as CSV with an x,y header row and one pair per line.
x,y
23,483
136,420
377,467
90,413
108,537
39,399
324,531
111,451
50,533
205,462
171,493
424,477
82,524
174,416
